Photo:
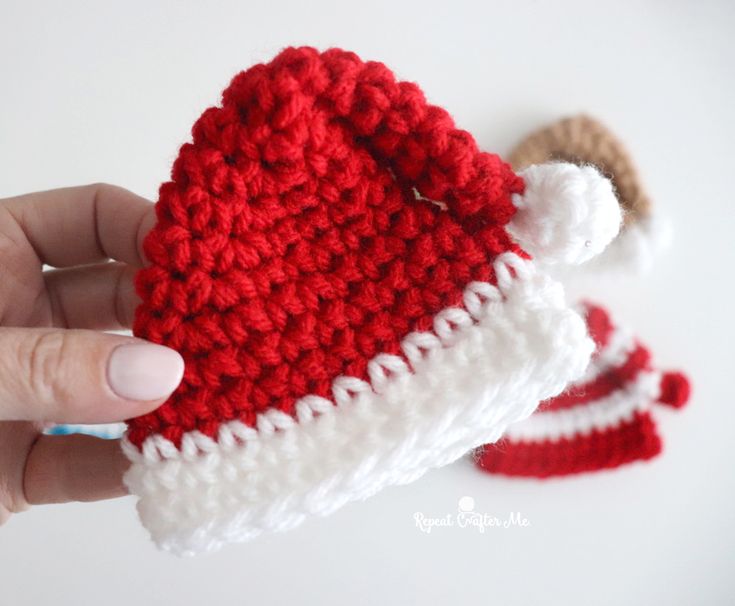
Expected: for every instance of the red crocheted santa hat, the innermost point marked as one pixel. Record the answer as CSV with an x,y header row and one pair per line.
x,y
601,421
341,269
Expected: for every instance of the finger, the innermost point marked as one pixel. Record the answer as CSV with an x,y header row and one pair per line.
x,y
74,468
99,297
16,441
77,225
82,376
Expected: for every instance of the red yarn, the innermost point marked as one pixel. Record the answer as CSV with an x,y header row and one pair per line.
x,y
599,325
291,246
604,384
675,389
633,438
607,448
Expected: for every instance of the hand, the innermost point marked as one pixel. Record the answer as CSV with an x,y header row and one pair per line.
x,y
54,365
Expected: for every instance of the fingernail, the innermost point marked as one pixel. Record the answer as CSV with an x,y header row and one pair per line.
x,y
144,371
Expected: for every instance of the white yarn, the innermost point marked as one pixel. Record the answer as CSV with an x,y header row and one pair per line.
x,y
635,249
620,345
601,414
484,367
567,213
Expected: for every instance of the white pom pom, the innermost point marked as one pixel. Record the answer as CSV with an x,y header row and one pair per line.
x,y
567,213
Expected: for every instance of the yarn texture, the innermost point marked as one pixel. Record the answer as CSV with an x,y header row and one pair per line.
x,y
567,213
585,141
603,420
331,258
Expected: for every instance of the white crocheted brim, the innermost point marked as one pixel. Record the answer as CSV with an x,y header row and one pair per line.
x,y
604,413
635,249
483,367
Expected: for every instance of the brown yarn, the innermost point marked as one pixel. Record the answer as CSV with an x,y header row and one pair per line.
x,y
584,140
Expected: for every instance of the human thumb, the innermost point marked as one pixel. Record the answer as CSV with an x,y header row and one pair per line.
x,y
82,376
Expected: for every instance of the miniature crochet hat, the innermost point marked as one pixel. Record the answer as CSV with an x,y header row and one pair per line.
x,y
353,286
584,140
602,421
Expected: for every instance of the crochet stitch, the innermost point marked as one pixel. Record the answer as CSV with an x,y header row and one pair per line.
x,y
602,421
584,140
332,258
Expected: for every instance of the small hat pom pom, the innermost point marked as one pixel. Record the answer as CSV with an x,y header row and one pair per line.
x,y
675,389
567,213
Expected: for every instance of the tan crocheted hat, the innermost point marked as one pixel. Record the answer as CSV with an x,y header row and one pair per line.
x,y
582,139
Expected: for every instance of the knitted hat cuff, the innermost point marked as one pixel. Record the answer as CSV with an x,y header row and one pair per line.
x,y
603,414
483,367
602,420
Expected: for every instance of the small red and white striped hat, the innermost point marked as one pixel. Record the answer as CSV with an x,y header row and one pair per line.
x,y
601,421
358,293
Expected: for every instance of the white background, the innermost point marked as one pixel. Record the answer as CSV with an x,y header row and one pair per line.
x,y
108,91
